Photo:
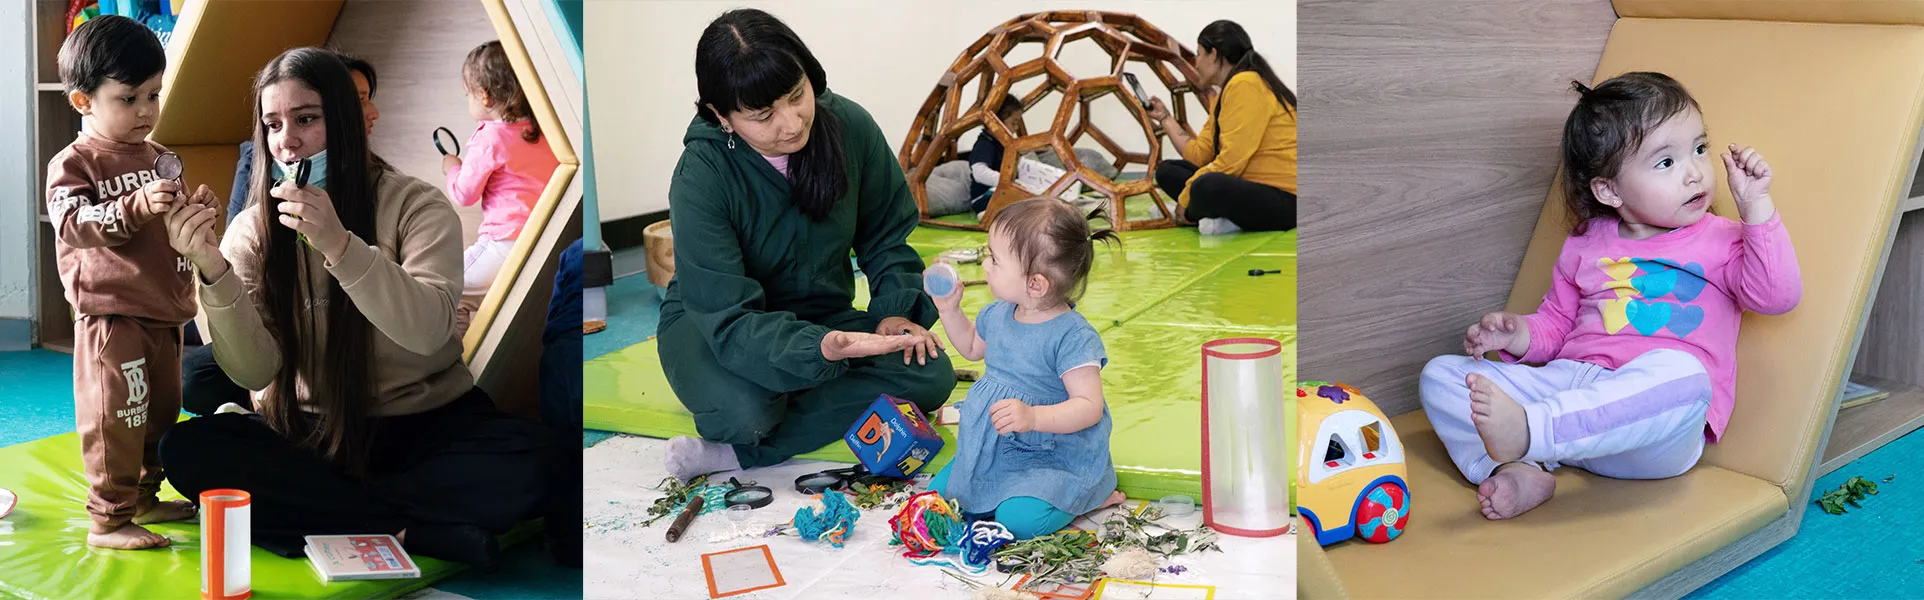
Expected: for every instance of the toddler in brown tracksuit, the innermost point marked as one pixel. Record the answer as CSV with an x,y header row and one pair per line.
x,y
131,291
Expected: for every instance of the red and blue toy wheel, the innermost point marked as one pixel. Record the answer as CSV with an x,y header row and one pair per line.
x,y
1384,511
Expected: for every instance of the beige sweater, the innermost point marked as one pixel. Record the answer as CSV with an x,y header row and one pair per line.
x,y
406,283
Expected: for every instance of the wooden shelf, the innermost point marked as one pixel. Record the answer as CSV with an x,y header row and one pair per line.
x,y
50,87
1861,429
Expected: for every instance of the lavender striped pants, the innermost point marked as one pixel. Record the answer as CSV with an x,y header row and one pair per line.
x,y
1642,421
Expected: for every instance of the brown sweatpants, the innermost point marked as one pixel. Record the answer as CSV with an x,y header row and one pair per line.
x,y
126,380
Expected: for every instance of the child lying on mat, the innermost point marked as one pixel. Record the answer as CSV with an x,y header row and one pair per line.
x,y
129,287
1033,446
1639,328
506,170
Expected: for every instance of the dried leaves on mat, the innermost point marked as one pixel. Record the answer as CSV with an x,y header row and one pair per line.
x,y
678,494
1124,531
1853,490
1073,556
875,495
1077,556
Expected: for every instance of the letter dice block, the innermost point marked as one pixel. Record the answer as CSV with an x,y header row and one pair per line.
x,y
892,439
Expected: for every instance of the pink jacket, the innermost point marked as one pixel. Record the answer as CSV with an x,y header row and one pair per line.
x,y
1612,299
503,172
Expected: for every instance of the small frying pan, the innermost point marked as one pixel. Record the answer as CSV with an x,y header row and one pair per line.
x,y
451,141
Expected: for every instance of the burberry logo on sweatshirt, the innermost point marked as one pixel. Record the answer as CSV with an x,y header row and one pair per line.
x,y
105,207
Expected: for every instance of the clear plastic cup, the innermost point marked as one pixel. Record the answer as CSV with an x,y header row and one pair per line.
x,y
942,281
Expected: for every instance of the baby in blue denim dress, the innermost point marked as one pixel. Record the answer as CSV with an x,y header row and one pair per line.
x,y
1033,447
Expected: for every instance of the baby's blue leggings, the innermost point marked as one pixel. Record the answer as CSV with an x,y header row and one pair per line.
x,y
1025,516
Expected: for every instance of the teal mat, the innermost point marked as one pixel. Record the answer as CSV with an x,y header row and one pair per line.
x,y
634,308
1869,552
36,395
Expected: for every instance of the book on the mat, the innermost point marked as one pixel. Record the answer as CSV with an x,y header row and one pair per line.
x,y
352,557
1857,394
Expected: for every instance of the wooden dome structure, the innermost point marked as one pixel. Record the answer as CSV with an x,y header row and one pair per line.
x,y
951,111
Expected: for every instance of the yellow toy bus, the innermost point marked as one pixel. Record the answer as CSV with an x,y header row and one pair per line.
x,y
1350,472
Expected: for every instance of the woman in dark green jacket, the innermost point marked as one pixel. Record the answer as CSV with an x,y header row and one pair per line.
x,y
779,180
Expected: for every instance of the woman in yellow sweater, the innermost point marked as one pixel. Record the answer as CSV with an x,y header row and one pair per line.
x,y
1247,149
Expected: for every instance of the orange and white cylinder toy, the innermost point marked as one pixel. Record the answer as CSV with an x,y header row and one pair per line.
x,y
1245,482
226,546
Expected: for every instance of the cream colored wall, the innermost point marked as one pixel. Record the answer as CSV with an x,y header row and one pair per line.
x,y
886,55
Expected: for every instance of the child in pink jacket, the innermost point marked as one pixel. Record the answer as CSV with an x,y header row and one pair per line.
x,y
506,169
1638,332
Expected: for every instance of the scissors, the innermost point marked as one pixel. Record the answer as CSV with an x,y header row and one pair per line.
x,y
836,479
451,140
747,494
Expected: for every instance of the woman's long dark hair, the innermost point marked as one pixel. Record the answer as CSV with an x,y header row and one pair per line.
x,y
337,379
746,60
1232,45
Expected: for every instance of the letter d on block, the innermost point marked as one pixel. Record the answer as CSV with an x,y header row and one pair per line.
x,y
873,431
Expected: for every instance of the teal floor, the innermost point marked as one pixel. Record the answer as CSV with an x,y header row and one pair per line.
x,y
1869,552
36,401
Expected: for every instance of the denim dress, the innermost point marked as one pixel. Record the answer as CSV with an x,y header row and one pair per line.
x,y
1070,471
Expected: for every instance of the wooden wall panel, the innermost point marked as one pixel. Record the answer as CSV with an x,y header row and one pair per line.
x,y
1429,138
417,49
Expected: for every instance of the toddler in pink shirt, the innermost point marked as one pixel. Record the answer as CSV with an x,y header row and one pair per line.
x,y
1638,332
506,169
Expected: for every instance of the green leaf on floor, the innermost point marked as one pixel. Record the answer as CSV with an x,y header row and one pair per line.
x,y
1853,490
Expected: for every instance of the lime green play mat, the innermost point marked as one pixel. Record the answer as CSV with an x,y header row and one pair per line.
x,y
44,552
1156,299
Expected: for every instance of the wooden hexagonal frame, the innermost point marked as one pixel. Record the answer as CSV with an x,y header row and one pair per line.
x,y
223,40
946,114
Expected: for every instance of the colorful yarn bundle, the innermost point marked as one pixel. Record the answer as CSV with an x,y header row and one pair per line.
x,y
927,525
984,538
832,523
930,527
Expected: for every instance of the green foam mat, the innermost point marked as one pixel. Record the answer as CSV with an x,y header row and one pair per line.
x,y
1156,300
44,551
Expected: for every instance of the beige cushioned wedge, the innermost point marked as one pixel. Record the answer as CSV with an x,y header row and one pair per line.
x,y
1835,108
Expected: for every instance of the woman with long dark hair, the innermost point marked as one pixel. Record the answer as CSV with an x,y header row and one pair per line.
x,y
1247,150
336,299
779,179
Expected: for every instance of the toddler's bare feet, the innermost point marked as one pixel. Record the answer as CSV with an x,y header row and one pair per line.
x,y
1514,489
127,537
162,512
1499,420
1115,498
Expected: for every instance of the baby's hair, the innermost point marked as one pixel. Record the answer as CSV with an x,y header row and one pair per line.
x,y
110,47
487,70
1607,126
1050,238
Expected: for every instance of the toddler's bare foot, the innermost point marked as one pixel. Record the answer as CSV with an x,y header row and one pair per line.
x,y
1499,420
127,537
1115,498
1514,489
162,512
